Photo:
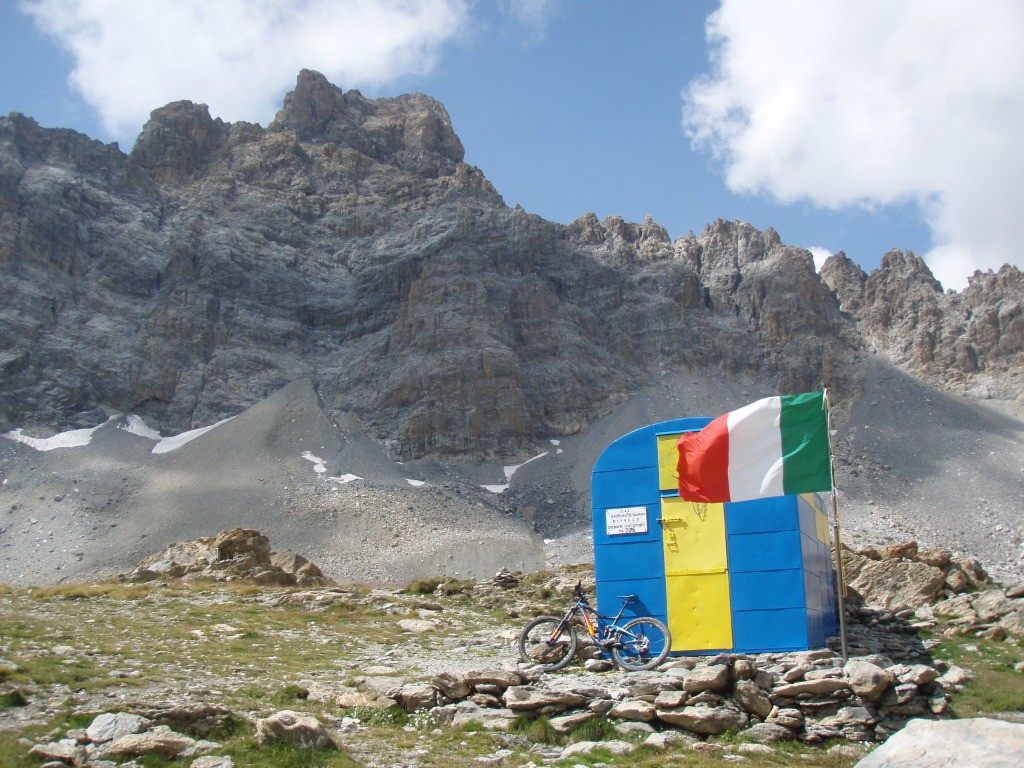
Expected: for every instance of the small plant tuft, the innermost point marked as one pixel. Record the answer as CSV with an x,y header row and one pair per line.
x,y
451,587
395,717
12,698
536,729
594,729
537,577
290,694
423,586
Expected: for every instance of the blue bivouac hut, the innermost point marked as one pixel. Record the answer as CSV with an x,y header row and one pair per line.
x,y
745,577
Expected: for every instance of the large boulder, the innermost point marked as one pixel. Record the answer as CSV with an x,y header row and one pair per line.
x,y
194,719
767,733
160,741
977,742
468,712
867,680
714,677
525,698
415,696
825,686
299,728
752,698
894,584
502,678
239,553
112,725
451,685
634,709
707,720
65,751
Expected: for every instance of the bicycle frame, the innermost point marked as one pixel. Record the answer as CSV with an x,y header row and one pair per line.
x,y
601,627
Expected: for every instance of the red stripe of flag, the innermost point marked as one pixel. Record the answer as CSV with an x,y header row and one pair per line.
x,y
703,467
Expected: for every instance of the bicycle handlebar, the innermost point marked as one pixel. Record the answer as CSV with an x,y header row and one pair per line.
x,y
579,594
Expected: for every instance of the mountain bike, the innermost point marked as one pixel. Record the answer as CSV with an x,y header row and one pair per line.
x,y
549,642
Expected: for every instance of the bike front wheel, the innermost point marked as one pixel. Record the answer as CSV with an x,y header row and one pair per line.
x,y
643,643
547,643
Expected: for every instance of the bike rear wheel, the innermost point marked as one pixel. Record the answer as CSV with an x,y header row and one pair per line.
x,y
643,643
547,644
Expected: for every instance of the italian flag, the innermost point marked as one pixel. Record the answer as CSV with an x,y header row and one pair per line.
x,y
774,447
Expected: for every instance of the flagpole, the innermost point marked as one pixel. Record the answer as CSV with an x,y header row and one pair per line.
x,y
837,543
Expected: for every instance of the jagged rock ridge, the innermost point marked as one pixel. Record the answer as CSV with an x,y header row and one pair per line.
x,y
349,242
972,342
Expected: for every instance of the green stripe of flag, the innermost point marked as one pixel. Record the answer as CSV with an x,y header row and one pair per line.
x,y
805,456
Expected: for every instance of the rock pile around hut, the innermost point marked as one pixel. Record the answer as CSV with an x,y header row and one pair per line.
x,y
770,698
914,586
811,696
901,576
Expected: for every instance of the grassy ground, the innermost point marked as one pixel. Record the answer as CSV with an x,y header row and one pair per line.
x,y
80,650
997,689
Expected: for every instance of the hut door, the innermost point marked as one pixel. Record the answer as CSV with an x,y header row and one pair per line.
x,y
696,575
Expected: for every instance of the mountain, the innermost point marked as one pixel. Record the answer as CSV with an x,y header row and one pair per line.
x,y
348,246
970,342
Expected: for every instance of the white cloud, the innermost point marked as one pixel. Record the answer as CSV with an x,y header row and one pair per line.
x,y
873,103
820,256
532,14
237,56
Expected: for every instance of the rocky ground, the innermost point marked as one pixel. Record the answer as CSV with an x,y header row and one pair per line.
x,y
429,676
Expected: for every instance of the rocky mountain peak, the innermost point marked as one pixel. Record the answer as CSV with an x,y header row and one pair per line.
x,y
732,245
349,251
729,251
971,341
310,109
412,131
24,142
628,242
905,269
993,304
1008,279
847,279
177,141
906,315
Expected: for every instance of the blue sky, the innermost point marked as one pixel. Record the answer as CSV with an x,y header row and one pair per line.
x,y
858,127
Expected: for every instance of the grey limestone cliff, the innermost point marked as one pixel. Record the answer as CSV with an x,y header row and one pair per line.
x,y
349,243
